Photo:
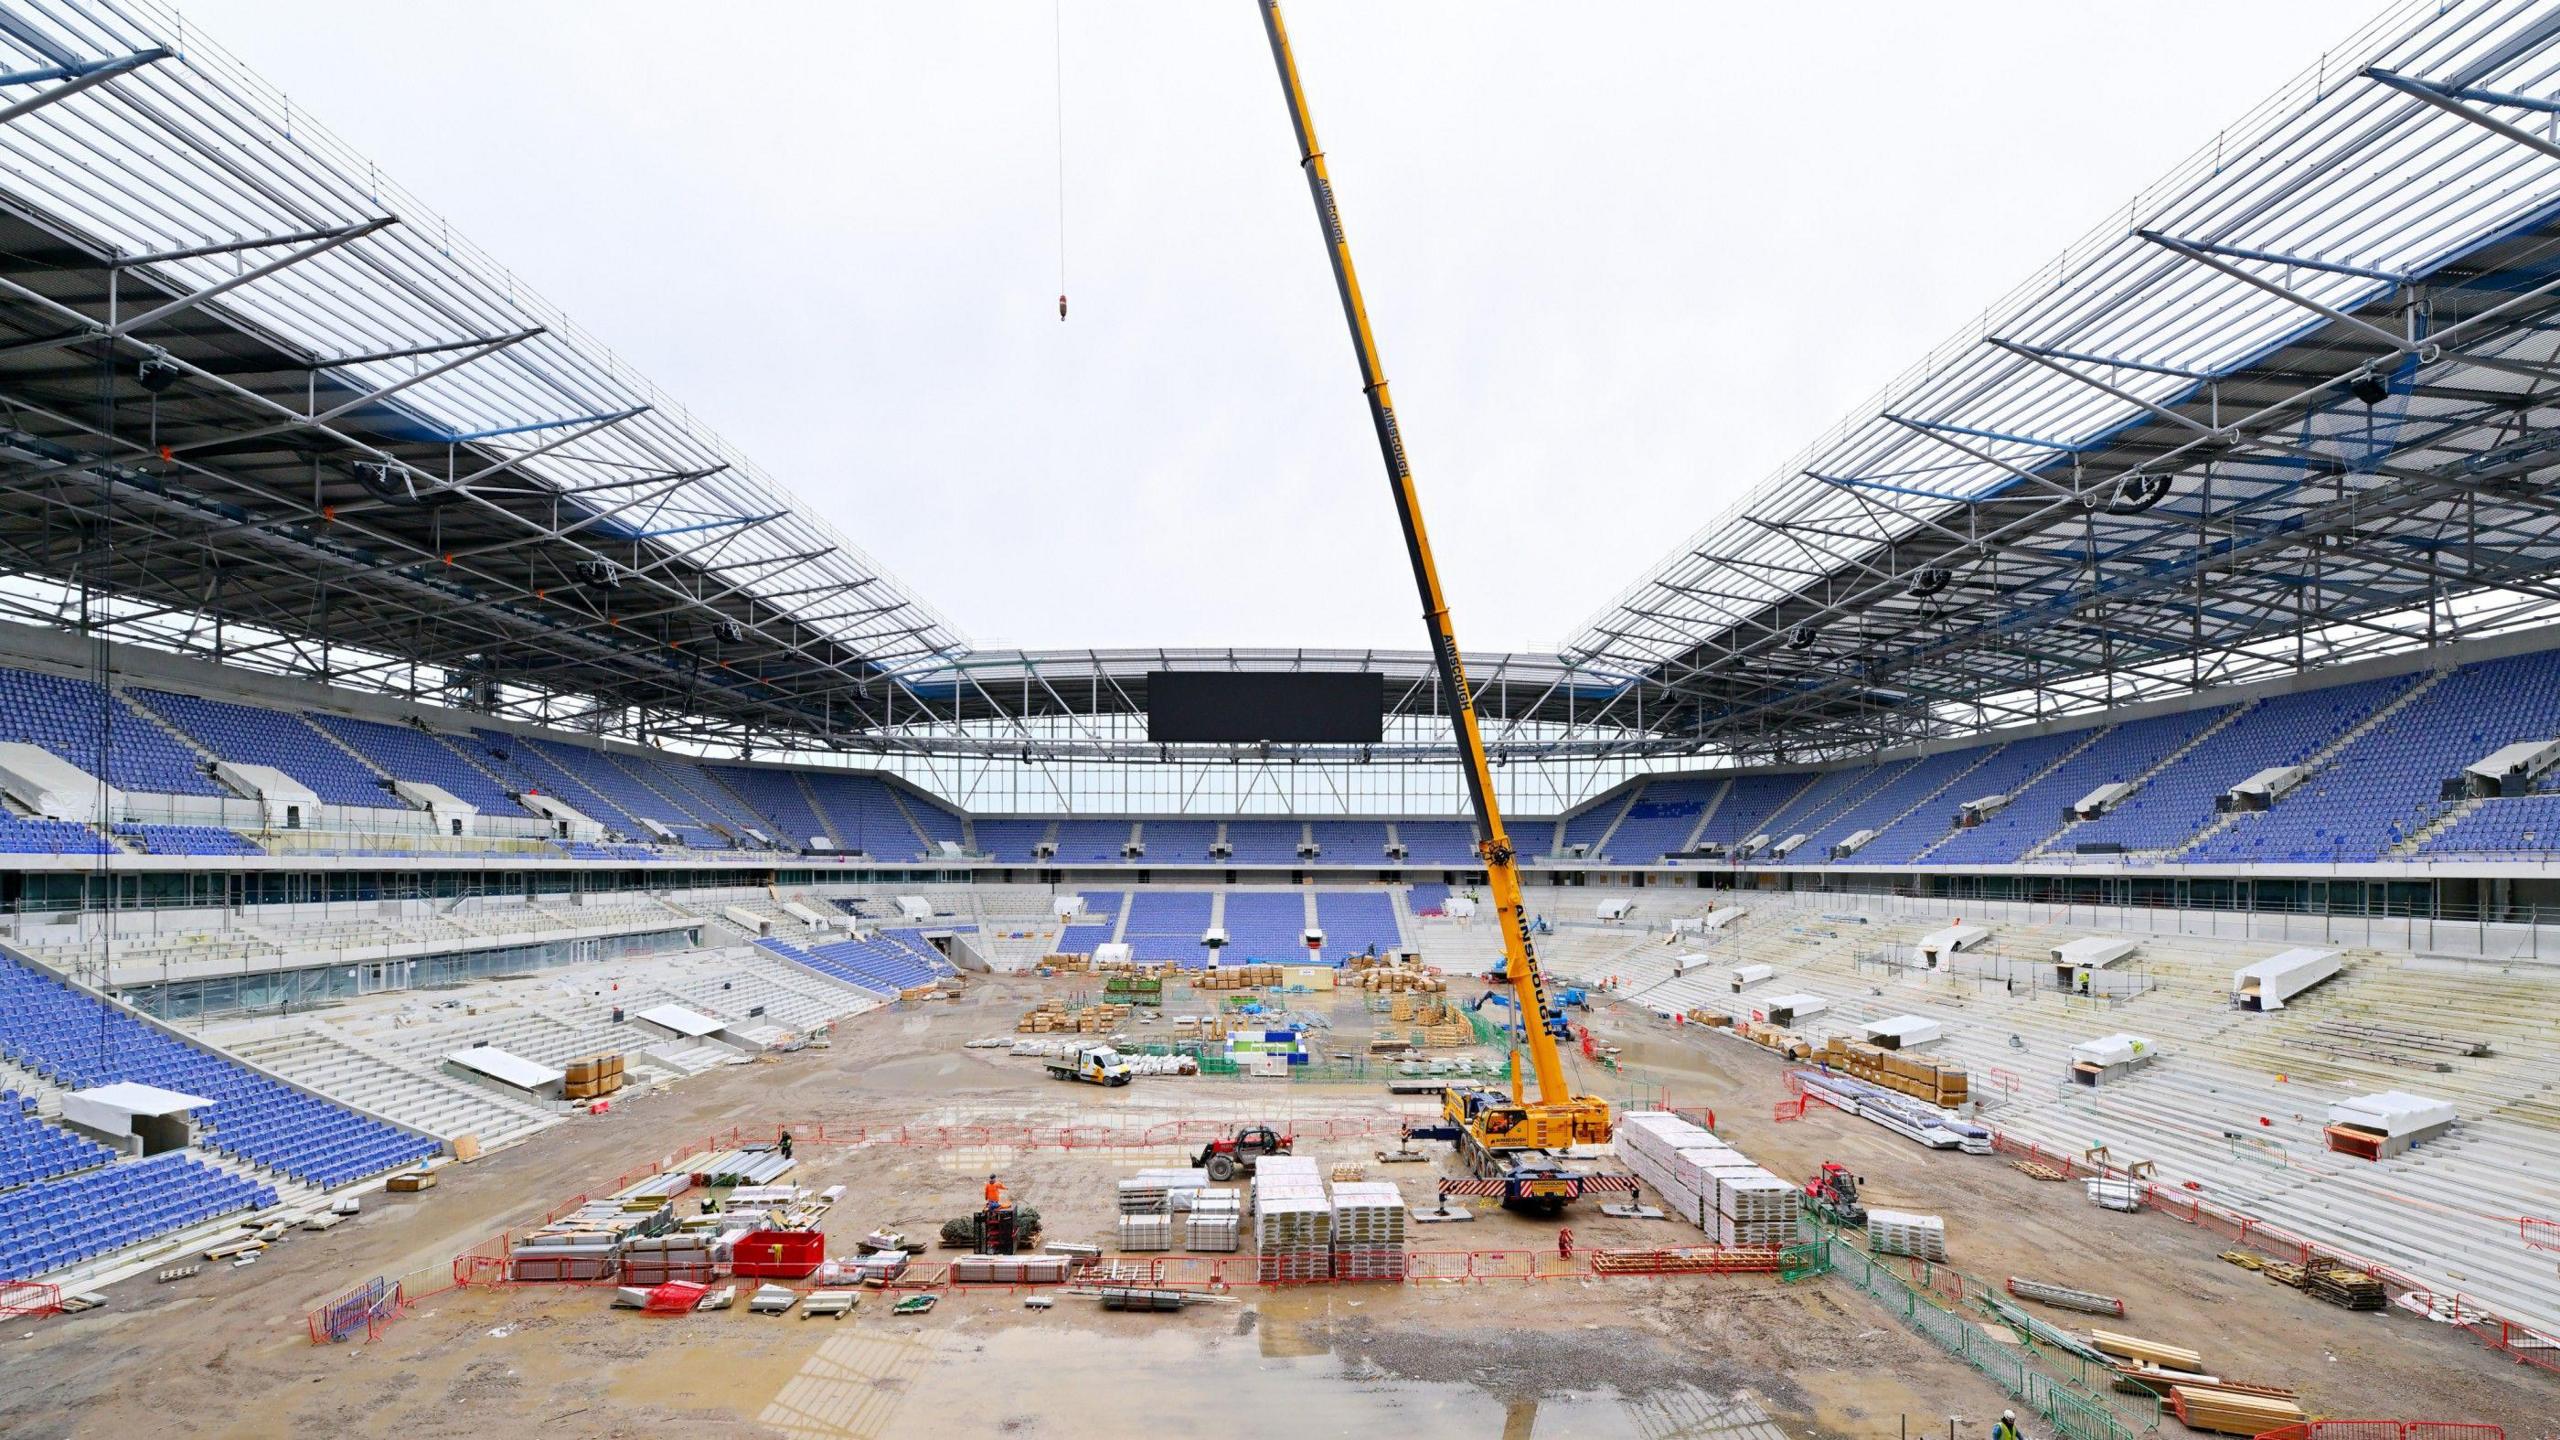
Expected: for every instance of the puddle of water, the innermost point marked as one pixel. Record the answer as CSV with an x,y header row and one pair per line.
x,y
1262,1378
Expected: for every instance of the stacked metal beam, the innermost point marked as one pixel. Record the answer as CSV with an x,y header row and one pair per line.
x,y
1369,1231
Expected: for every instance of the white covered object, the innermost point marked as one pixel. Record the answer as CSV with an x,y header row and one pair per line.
x,y
2268,983
1111,952
1745,976
1788,1009
506,1068
915,907
1614,909
567,821
450,813
1901,1032
2093,952
1719,919
2392,1112
51,786
1937,945
691,1024
2117,1049
284,802
112,1109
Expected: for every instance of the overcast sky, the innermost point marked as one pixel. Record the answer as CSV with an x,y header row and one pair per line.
x,y
1623,260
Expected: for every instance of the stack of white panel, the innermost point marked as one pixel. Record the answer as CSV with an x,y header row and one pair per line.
x,y
1216,1221
1368,1231
1756,1210
1650,1142
1155,1192
1292,1238
1146,1232
1896,1232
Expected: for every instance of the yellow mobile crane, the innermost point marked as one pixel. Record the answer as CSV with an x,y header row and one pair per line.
x,y
1508,1141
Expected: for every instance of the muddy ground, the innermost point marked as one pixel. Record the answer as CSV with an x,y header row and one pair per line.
x,y
226,1352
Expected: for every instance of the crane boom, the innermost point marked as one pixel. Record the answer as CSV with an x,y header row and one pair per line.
x,y
1502,871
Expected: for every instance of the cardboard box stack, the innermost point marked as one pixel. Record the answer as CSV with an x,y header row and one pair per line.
x,y
1292,1221
1785,1042
1055,1017
1369,1222
1236,977
1943,1084
1707,1182
595,1076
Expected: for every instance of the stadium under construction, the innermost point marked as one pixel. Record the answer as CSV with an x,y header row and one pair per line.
x,y
2047,905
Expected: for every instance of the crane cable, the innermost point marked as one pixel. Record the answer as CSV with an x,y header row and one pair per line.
x,y
1058,89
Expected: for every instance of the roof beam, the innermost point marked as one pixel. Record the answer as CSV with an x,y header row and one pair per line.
x,y
97,73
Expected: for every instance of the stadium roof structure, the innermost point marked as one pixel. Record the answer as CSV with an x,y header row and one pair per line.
x,y
2294,404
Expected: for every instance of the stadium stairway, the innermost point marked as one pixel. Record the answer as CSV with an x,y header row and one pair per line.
x,y
345,1068
2320,761
2021,785
2057,843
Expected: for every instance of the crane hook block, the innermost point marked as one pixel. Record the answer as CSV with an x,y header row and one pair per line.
x,y
1062,307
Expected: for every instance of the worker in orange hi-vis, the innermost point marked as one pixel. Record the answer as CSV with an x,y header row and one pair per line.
x,y
995,1195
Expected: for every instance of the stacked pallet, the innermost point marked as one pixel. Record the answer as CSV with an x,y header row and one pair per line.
x,y
1700,1261
1943,1084
2342,1285
1066,964
2147,1352
1292,1222
1896,1232
1237,977
1369,1222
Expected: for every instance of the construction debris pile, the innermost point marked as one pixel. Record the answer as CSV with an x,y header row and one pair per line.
x,y
2321,1277
1946,1086
1707,1182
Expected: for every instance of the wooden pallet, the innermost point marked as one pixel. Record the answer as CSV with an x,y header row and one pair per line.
x,y
1688,1262
2245,1259
2035,1171
2339,1285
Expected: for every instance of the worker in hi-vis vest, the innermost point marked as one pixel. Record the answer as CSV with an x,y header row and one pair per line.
x,y
995,1195
2007,1428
